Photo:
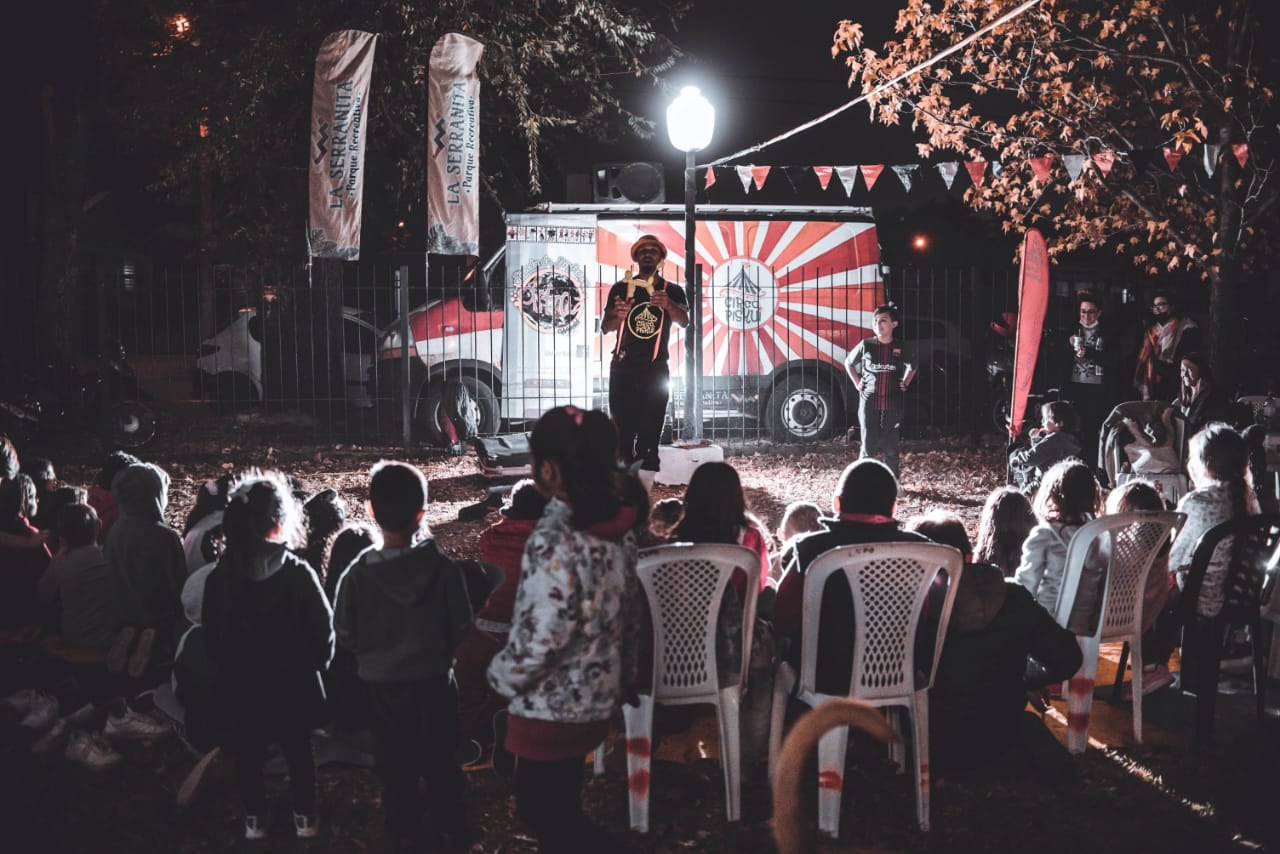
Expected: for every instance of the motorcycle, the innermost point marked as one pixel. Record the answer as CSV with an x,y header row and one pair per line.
x,y
58,397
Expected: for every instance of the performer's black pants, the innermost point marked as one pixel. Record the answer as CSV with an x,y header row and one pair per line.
x,y
638,403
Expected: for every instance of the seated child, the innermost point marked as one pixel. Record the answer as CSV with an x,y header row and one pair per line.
x,y
22,564
800,517
77,578
665,516
1053,440
1151,450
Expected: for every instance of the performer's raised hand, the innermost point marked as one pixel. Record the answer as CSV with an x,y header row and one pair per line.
x,y
660,300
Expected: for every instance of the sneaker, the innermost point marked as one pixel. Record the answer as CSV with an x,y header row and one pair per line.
x,y
82,716
305,826
19,702
52,738
91,750
118,655
253,828
1152,679
41,714
135,725
141,658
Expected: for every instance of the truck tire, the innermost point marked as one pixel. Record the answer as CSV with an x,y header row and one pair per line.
x,y
427,414
802,407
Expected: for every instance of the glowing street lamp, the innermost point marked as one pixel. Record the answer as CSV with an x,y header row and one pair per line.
x,y
691,120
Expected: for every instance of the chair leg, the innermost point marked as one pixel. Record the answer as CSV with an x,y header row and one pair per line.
x,y
897,749
1137,690
1260,648
729,712
639,724
920,718
1124,662
831,753
1211,637
784,682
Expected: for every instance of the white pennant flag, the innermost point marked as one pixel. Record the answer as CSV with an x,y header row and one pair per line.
x,y
339,127
1074,164
453,147
948,171
744,175
1211,153
906,174
847,175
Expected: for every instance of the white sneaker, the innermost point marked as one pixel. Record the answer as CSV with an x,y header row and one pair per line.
x,y
253,828
305,826
52,738
135,725
91,751
42,712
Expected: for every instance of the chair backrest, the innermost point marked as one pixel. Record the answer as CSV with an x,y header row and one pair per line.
x,y
1130,542
1111,451
1253,553
684,584
890,583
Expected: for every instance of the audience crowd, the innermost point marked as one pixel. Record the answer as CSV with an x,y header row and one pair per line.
x,y
270,618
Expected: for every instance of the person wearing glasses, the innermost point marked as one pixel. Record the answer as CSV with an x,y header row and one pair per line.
x,y
1168,338
1093,370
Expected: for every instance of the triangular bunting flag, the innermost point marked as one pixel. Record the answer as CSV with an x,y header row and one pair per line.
x,y
824,175
906,174
710,179
759,174
977,170
1173,156
1241,151
1040,167
1211,154
794,175
870,174
948,172
1143,159
997,169
848,174
744,175
1074,164
1104,161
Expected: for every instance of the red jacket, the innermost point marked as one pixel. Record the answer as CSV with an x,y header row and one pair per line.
x,y
502,544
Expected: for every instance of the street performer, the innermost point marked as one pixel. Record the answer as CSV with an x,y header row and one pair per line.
x,y
641,308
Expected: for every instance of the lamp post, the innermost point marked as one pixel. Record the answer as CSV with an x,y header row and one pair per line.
x,y
690,122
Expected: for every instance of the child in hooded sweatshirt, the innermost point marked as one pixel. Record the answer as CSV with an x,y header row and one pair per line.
x,y
502,545
1068,497
146,561
101,498
269,633
571,652
401,610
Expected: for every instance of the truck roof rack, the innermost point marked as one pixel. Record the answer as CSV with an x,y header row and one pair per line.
x,y
838,213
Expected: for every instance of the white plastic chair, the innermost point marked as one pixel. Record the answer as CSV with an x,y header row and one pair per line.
x,y
1132,541
684,584
890,583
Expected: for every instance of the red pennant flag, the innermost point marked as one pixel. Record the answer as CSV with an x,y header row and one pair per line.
x,y
711,178
977,170
870,174
1241,151
1104,160
1040,166
824,175
758,175
1173,156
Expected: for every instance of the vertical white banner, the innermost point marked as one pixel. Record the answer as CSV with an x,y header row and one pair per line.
x,y
339,115
453,147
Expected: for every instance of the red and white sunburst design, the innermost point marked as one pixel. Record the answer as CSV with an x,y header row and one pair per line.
x,y
773,292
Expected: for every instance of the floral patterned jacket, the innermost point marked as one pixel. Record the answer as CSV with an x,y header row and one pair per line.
x,y
574,630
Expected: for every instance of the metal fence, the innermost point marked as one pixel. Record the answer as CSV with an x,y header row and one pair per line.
x,y
324,344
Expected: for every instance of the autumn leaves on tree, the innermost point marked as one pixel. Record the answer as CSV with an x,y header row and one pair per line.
x,y
1148,127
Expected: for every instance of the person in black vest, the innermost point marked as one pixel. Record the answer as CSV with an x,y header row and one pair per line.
x,y
641,308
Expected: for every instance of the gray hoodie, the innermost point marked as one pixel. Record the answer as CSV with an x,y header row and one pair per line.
x,y
144,555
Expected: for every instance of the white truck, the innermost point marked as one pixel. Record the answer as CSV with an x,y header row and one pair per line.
x,y
786,293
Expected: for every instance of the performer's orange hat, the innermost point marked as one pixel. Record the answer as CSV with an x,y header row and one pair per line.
x,y
648,240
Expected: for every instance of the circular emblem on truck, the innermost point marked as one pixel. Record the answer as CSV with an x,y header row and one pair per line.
x,y
549,294
743,293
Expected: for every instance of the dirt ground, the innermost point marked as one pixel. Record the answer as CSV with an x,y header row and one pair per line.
x,y
1160,796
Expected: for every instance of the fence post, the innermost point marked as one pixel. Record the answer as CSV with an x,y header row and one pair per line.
x,y
406,405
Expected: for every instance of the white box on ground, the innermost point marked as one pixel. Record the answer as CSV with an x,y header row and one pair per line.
x,y
677,462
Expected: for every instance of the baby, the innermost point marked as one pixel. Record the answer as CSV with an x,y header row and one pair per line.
x,y
1152,450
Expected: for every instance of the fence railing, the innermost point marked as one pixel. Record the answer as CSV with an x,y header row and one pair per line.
x,y
325,343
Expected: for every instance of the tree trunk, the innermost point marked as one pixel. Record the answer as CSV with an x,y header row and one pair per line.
x,y
1223,330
